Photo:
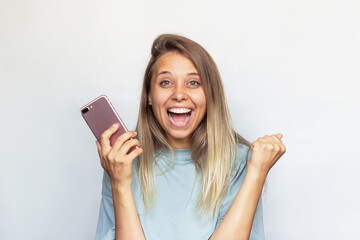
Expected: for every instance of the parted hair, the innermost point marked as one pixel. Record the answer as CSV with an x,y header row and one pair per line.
x,y
213,143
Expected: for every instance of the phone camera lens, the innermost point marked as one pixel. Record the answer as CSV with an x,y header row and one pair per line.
x,y
85,110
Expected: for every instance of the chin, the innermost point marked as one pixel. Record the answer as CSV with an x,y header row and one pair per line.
x,y
179,135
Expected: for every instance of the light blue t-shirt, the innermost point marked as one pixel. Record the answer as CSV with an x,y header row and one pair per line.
x,y
174,216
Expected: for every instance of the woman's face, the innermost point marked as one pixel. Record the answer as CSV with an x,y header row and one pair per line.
x,y
177,98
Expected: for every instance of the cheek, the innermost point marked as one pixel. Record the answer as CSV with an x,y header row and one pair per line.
x,y
159,97
199,99
158,101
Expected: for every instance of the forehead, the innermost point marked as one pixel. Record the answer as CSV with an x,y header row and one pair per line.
x,y
174,61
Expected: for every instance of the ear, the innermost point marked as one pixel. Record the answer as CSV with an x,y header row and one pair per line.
x,y
149,101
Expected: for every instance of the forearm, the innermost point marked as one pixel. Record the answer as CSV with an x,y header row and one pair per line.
x,y
238,221
127,223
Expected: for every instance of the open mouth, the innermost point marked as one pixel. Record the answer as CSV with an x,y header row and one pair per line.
x,y
179,116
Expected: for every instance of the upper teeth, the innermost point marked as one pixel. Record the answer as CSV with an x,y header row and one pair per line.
x,y
179,110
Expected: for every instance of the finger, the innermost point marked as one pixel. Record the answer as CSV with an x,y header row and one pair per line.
x,y
128,145
100,154
266,139
122,139
105,137
276,139
281,145
98,148
135,153
271,140
279,135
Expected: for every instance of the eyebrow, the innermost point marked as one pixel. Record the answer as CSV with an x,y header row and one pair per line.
x,y
167,72
163,72
193,74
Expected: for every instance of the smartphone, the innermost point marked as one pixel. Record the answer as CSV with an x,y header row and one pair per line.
x,y
99,114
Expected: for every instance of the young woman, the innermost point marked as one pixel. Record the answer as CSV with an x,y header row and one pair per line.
x,y
193,177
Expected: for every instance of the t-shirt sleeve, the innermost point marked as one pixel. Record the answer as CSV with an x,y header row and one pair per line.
x,y
106,222
242,159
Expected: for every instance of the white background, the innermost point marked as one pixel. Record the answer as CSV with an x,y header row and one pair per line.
x,y
287,66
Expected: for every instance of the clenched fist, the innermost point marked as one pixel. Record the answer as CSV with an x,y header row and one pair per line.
x,y
266,151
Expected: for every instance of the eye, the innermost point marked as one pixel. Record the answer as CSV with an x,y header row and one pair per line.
x,y
165,83
194,83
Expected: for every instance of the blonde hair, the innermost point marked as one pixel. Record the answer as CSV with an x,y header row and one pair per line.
x,y
213,143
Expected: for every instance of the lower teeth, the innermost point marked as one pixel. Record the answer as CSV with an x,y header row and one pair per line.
x,y
172,120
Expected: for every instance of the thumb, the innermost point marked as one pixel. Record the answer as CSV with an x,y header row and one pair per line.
x,y
279,135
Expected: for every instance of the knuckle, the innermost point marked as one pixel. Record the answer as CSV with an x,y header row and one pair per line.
x,y
111,157
269,146
119,159
123,137
119,140
103,135
128,134
138,151
284,149
131,142
104,154
135,153
255,145
127,143
137,141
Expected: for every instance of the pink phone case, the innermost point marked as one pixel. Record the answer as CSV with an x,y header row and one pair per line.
x,y
99,114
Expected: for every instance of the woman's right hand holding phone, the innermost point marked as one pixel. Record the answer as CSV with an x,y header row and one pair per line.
x,y
115,160
118,164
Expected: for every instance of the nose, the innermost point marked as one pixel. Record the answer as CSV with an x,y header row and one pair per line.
x,y
179,93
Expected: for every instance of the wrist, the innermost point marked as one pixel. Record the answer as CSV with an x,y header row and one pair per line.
x,y
120,188
256,174
122,195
